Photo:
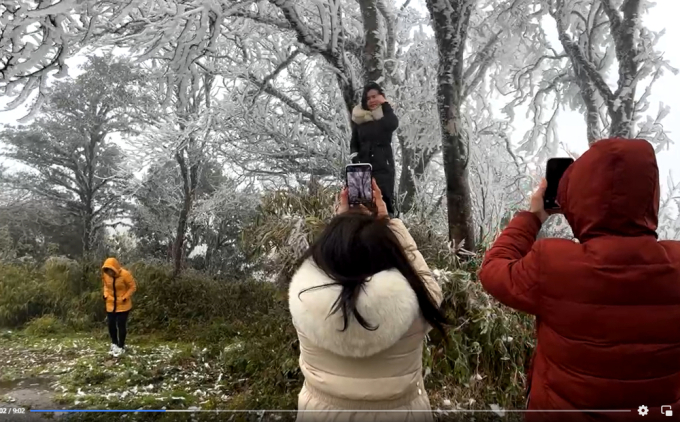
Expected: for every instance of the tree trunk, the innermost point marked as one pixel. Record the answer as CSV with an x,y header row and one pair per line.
x,y
389,63
407,183
87,233
414,162
189,183
450,20
178,244
589,95
95,138
623,27
458,201
348,94
373,50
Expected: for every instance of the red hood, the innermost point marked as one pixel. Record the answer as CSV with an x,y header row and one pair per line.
x,y
612,190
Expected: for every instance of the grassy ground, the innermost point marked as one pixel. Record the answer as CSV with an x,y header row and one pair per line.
x,y
155,373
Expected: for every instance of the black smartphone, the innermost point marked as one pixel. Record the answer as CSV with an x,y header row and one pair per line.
x,y
359,180
553,173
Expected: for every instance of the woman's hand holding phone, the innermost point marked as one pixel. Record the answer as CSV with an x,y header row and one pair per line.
x,y
342,205
378,201
342,202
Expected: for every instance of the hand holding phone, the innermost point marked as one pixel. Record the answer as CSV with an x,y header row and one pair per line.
x,y
554,171
544,199
342,205
359,181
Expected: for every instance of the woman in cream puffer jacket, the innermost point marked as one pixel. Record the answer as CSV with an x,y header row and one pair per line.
x,y
363,302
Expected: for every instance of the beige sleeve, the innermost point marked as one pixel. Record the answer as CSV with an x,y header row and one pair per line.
x,y
417,259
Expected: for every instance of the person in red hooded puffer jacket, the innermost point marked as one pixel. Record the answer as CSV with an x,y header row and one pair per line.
x,y
608,308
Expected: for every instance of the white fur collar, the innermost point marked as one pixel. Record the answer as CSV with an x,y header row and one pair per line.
x,y
360,116
387,301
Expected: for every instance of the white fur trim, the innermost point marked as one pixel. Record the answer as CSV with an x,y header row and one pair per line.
x,y
361,116
386,301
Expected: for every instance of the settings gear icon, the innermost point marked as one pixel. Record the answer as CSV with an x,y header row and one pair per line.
x,y
643,410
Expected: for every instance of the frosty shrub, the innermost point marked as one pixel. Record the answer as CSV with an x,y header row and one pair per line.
x,y
483,360
287,222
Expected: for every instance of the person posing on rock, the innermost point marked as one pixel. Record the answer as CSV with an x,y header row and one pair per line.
x,y
373,123
119,285
607,308
362,302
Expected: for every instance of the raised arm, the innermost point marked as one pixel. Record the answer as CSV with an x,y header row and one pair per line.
x,y
511,269
417,259
389,121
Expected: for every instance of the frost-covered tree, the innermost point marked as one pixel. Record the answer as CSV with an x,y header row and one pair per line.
x,y
328,28
283,121
36,38
183,132
71,162
413,87
36,229
473,38
220,220
592,34
220,206
604,66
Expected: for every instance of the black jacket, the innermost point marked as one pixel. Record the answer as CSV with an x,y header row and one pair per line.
x,y
372,137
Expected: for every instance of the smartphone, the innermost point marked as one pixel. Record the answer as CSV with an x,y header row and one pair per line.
x,y
359,181
553,173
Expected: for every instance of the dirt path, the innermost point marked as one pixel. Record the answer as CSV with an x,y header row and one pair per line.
x,y
20,395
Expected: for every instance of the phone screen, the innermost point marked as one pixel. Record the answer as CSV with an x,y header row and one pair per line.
x,y
359,183
554,171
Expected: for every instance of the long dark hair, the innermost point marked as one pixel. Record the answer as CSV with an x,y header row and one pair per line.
x,y
354,247
364,95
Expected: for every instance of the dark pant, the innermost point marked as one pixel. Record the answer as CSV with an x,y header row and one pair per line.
x,y
385,181
118,327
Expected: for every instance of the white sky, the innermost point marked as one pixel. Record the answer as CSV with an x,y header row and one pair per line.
x,y
571,125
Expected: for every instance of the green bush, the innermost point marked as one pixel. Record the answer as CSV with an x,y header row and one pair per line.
x,y
286,224
64,288
488,343
194,298
23,295
44,326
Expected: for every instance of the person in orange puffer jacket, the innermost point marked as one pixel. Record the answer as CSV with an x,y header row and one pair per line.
x,y
119,285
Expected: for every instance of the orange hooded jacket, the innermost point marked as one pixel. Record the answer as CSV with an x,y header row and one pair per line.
x,y
118,290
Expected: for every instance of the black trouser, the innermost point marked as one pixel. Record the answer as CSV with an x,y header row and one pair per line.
x,y
385,181
118,327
